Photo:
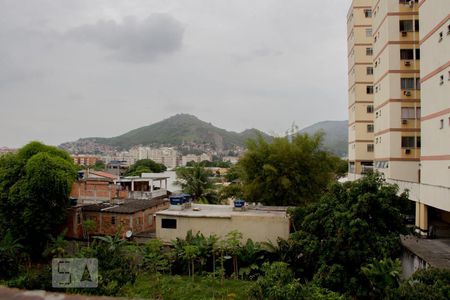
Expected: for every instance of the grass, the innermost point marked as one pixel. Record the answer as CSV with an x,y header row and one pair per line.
x,y
182,287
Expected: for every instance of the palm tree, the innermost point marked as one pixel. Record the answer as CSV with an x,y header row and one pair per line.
x,y
114,242
195,181
234,246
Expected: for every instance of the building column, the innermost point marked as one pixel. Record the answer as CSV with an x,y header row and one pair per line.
x,y
422,218
132,185
151,185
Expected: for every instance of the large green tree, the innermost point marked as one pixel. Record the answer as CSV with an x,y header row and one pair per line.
x,y
145,166
35,185
286,171
353,225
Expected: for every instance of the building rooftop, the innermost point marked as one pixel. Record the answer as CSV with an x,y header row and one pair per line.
x,y
435,252
127,207
225,211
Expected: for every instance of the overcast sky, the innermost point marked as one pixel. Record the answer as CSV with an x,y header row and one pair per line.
x,y
82,68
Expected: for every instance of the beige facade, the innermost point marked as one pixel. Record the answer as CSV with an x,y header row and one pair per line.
x,y
260,224
397,92
411,85
360,91
435,121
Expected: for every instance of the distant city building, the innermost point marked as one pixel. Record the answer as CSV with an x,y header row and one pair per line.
x,y
195,158
85,160
231,159
117,167
4,150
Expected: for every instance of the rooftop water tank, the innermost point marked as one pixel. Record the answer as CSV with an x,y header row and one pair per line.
x,y
239,203
176,200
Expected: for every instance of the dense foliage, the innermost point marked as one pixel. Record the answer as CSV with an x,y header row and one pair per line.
x,y
353,224
196,181
287,171
145,166
210,164
35,185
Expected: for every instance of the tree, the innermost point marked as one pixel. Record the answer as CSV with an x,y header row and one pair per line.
x,y
35,185
88,227
352,225
287,171
9,256
190,253
145,166
154,259
426,284
195,181
384,276
99,166
233,242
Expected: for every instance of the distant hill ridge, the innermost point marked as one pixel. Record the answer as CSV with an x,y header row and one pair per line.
x,y
186,129
335,138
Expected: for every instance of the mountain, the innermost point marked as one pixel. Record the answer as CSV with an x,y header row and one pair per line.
x,y
178,130
335,138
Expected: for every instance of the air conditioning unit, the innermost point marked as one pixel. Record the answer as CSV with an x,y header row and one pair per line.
x,y
407,93
404,121
407,151
404,33
407,63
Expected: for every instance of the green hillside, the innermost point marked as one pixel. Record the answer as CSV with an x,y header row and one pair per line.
x,y
181,129
335,135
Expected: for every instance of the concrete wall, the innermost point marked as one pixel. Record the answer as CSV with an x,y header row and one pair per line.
x,y
257,228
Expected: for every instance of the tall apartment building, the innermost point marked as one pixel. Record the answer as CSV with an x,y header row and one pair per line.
x,y
360,92
396,65
411,100
435,80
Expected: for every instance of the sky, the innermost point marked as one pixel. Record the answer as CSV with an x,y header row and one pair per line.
x,y
83,68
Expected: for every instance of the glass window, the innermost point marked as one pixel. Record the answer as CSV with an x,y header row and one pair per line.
x,y
370,128
408,113
369,89
369,32
368,13
369,109
408,142
369,71
369,51
169,223
407,83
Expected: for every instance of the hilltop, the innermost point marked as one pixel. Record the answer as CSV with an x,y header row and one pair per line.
x,y
178,130
335,135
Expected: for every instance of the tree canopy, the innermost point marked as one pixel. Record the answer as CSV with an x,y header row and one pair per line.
x,y
145,166
35,185
196,182
351,226
286,171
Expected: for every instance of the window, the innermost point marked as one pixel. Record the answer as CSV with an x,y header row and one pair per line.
x,y
418,113
407,1
418,142
369,89
442,124
406,54
441,36
407,83
370,147
441,79
417,53
369,70
351,167
370,127
408,142
369,51
368,13
408,113
409,25
113,220
417,83
369,109
369,32
169,223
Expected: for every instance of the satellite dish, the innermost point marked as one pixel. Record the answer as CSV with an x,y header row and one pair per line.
x,y
128,234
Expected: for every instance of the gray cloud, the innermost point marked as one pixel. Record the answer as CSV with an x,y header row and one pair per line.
x,y
133,40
